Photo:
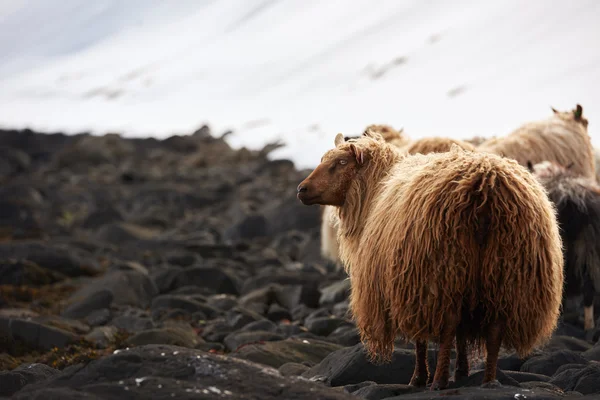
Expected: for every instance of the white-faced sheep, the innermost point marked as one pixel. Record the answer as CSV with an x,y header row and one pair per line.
x,y
456,244
577,201
563,138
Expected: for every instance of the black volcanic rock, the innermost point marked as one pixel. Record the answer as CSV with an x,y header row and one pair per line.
x,y
34,334
12,381
127,288
97,300
51,257
159,371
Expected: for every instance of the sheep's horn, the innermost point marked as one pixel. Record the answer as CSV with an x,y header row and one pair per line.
x,y
339,139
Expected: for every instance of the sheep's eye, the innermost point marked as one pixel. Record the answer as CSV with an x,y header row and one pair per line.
x,y
343,162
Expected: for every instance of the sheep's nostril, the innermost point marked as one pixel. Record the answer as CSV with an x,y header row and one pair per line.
x,y
302,189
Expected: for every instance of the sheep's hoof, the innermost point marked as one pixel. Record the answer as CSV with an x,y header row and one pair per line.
x,y
418,381
437,385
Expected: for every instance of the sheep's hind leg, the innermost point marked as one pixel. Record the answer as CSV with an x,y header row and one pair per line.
x,y
462,360
421,374
442,369
492,343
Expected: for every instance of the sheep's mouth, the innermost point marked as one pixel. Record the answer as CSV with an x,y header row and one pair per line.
x,y
307,200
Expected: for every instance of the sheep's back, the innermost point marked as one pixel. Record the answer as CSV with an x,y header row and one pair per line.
x,y
464,230
552,139
436,144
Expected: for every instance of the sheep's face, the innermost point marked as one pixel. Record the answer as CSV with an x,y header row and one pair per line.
x,y
548,169
545,169
330,181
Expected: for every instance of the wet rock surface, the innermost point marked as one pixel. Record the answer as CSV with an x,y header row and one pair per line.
x,y
180,268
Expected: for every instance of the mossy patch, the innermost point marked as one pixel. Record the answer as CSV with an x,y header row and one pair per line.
x,y
25,272
78,353
82,351
45,300
8,362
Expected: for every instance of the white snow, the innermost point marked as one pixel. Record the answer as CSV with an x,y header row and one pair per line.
x,y
300,71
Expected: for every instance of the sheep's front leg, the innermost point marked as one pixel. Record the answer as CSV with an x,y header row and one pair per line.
x,y
492,345
421,374
462,359
588,305
588,318
442,369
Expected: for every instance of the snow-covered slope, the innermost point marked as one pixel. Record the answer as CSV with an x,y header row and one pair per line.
x,y
296,70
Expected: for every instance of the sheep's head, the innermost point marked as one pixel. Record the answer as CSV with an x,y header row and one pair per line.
x,y
574,115
548,169
329,182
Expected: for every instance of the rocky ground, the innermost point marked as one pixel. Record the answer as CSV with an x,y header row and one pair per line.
x,y
181,268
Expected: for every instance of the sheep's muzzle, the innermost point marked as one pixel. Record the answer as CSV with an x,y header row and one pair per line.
x,y
307,193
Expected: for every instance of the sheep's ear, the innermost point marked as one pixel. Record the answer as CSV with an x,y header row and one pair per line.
x,y
578,112
554,110
339,139
529,166
358,154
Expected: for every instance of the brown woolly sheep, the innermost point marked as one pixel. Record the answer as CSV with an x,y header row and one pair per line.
x,y
456,244
577,200
562,138
435,145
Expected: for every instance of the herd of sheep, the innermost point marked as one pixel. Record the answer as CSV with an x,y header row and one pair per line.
x,y
468,244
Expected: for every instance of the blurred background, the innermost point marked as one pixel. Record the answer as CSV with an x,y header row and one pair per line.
x,y
298,71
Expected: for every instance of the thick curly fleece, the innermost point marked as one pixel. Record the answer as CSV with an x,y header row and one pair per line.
x,y
461,233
